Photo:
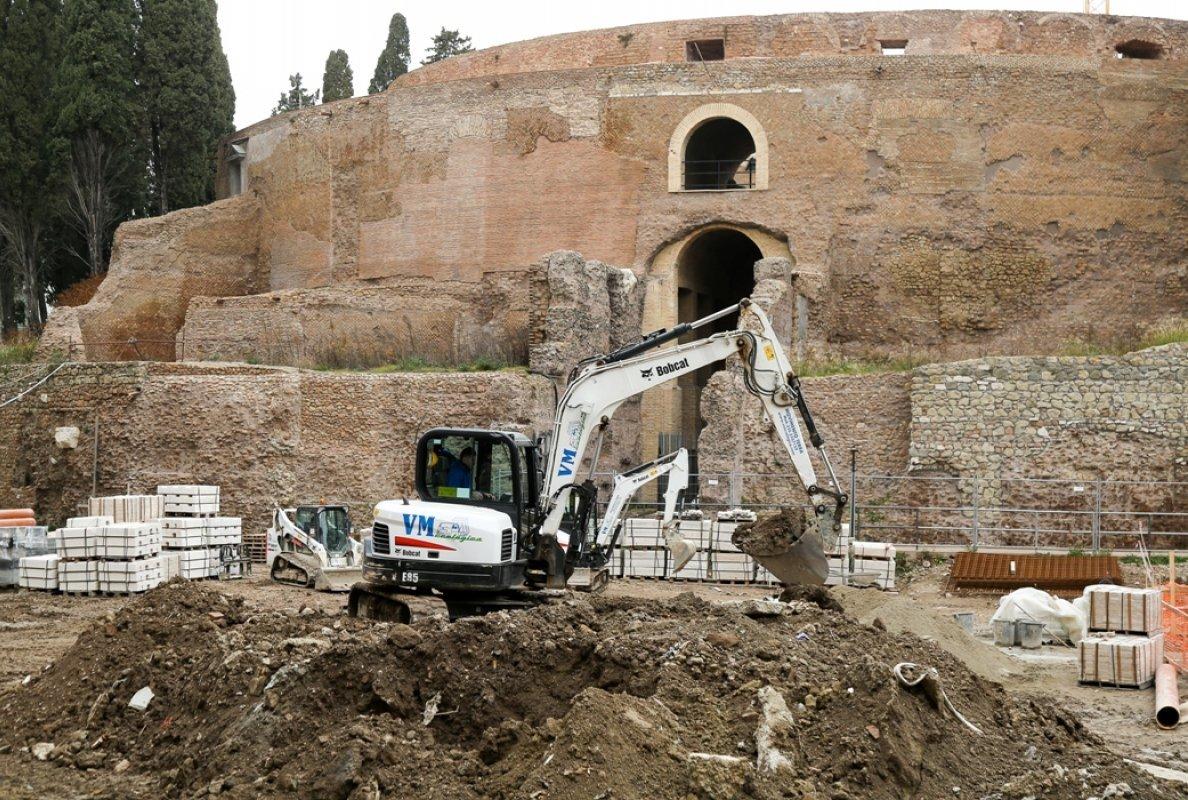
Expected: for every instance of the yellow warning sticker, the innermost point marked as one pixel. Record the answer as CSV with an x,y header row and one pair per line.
x,y
769,351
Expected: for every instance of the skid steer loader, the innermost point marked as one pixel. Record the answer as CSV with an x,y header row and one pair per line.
x,y
312,546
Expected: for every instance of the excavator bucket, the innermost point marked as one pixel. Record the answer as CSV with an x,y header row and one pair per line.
x,y
680,548
786,547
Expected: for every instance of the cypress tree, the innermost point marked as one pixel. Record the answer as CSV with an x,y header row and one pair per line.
x,y
29,180
189,100
393,61
296,97
445,44
338,81
99,120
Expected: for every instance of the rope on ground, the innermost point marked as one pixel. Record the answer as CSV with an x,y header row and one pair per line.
x,y
932,687
19,395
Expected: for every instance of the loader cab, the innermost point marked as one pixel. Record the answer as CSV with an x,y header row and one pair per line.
x,y
491,469
330,526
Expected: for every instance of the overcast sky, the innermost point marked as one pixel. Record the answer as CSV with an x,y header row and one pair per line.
x,y
267,40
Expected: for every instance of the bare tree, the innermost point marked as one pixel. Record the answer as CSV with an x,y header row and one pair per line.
x,y
24,232
8,321
89,206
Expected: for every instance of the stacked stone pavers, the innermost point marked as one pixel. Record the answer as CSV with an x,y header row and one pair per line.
x,y
203,544
1125,643
116,552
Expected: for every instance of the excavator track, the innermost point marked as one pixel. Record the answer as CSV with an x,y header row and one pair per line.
x,y
300,569
294,569
368,601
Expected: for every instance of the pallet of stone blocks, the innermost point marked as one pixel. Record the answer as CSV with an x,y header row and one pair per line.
x,y
206,545
78,576
181,532
127,507
129,540
872,563
189,500
1119,660
1125,609
39,572
129,577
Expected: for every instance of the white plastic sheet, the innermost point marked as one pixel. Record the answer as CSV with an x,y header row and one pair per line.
x,y
1060,617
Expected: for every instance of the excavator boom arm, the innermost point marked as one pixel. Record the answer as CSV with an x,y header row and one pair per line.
x,y
596,392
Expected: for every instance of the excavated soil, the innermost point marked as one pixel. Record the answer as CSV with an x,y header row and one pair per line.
x,y
770,535
581,698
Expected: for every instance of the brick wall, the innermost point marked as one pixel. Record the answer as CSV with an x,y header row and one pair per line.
x,y
796,35
1009,184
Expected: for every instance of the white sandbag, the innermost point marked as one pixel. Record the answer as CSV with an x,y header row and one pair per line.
x,y
1060,617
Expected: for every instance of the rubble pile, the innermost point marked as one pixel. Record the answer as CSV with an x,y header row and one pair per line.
x,y
580,698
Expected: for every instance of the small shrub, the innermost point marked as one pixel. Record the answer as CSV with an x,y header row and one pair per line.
x,y
18,352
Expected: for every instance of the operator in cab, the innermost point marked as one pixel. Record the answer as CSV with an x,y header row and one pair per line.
x,y
461,468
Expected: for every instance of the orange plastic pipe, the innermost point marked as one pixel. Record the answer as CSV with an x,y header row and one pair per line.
x,y
21,513
1167,697
17,522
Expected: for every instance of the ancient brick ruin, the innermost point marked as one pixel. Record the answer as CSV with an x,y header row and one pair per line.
x,y
1012,182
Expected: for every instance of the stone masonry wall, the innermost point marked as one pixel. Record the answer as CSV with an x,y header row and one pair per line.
x,y
265,434
441,322
1110,417
870,413
1115,418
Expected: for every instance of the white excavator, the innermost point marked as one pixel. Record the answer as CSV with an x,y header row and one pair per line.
x,y
593,574
312,546
499,520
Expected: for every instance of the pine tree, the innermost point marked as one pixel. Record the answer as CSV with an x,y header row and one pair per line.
x,y
296,97
446,44
29,179
393,61
189,100
338,81
99,120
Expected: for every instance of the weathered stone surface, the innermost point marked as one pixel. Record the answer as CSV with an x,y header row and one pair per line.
x,y
575,313
265,434
1050,209
157,266
1119,418
1111,417
442,322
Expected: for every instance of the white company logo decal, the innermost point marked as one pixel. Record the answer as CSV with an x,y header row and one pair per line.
x,y
664,369
430,527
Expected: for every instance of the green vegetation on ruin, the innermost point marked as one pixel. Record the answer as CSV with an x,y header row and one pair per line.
x,y
17,352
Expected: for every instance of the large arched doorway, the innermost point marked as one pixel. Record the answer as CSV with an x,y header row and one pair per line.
x,y
714,270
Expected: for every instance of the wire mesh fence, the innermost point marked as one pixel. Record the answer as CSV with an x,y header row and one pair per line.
x,y
1040,514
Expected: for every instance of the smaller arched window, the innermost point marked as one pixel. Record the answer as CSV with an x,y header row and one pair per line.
x,y
720,155
718,147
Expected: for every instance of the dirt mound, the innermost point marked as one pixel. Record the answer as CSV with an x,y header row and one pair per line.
x,y
902,615
581,698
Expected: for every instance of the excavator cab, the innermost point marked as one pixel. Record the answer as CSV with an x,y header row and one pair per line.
x,y
490,469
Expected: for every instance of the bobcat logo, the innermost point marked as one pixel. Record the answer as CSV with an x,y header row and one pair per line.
x,y
647,373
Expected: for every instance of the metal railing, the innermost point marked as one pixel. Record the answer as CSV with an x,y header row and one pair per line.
x,y
721,175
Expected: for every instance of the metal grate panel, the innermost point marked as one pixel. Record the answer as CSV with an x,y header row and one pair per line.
x,y
1057,574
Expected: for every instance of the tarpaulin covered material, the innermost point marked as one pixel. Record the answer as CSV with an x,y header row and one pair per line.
x,y
15,544
1061,618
